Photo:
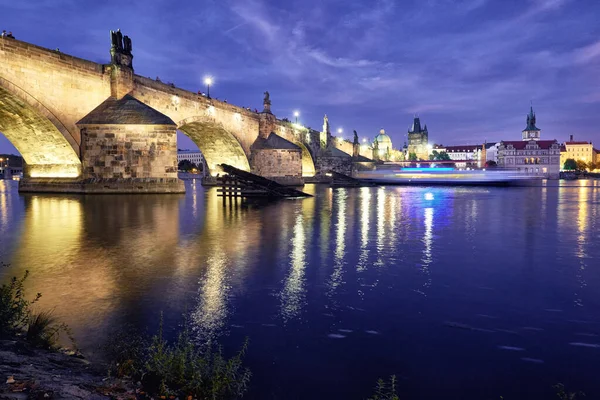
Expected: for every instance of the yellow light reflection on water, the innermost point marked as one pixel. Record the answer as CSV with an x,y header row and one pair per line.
x,y
336,278
3,201
212,309
365,210
292,296
427,241
381,193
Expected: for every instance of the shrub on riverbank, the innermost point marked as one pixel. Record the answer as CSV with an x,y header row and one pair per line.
x,y
180,368
385,390
17,316
15,309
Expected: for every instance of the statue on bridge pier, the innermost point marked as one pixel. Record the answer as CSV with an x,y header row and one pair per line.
x,y
120,49
127,45
355,146
267,103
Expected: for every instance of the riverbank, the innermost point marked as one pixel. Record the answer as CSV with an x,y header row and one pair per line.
x,y
27,372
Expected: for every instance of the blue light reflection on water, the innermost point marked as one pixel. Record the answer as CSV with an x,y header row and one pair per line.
x,y
436,285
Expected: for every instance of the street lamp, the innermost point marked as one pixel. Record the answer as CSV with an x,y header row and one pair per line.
x,y
208,81
296,114
340,130
364,140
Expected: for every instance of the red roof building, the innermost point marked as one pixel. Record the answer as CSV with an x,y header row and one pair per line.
x,y
531,155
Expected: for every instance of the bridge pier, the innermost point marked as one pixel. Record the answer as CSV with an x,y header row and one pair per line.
x,y
127,147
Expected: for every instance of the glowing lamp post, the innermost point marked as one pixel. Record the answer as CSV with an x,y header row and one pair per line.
x,y
208,81
296,115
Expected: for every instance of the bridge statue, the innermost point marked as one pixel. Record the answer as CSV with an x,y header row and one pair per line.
x,y
127,45
355,137
267,102
119,39
120,49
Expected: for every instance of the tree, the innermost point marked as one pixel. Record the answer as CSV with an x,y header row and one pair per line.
x,y
491,164
434,155
413,157
186,165
581,165
592,166
443,156
570,164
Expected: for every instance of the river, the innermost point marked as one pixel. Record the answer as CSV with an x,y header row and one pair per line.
x,y
470,293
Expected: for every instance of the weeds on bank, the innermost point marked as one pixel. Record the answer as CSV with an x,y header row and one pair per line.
x,y
564,395
385,390
44,330
17,316
15,309
180,368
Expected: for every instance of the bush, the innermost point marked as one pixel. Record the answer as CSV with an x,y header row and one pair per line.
x,y
15,309
126,352
181,368
44,329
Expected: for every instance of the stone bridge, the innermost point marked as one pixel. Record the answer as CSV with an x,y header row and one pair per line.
x,y
87,127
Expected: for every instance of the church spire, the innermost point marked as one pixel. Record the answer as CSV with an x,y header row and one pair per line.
x,y
531,120
531,131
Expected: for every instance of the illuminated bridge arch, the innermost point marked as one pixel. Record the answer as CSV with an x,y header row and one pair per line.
x,y
308,164
217,144
48,148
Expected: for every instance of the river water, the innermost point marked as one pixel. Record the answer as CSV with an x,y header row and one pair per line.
x,y
470,293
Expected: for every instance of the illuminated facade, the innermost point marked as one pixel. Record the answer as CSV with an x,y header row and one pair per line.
x,y
531,155
418,139
578,151
194,156
465,155
491,152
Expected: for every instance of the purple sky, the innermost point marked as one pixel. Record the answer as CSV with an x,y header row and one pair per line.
x,y
469,68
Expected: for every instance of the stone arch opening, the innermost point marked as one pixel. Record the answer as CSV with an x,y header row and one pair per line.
x,y
45,144
308,164
218,145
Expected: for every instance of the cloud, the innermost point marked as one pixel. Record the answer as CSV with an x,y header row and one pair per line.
x,y
588,53
464,65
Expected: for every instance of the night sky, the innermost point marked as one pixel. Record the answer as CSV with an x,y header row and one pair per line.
x,y
469,68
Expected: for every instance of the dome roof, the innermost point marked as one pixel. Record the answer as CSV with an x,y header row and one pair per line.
x,y
382,138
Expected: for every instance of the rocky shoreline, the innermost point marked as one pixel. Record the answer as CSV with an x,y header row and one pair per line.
x,y
27,372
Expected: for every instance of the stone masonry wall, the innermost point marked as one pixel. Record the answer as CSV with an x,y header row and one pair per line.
x,y
44,148
284,166
343,145
185,107
68,86
129,151
343,165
